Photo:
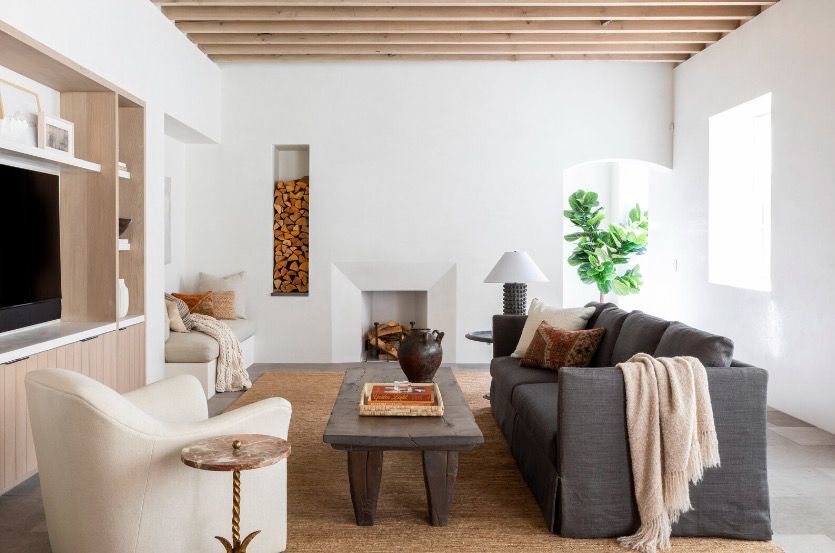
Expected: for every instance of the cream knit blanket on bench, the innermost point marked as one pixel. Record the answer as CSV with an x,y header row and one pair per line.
x,y
231,374
672,440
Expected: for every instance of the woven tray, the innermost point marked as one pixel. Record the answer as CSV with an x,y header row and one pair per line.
x,y
389,410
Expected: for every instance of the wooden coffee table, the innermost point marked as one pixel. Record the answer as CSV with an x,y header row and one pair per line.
x,y
439,439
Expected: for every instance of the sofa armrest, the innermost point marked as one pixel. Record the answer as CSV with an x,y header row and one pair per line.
x,y
507,329
176,399
595,472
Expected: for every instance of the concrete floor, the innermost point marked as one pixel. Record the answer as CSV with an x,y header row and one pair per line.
x,y
801,474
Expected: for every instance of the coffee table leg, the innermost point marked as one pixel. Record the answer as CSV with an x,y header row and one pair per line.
x,y
440,468
365,471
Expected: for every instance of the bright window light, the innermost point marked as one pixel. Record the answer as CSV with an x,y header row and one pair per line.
x,y
739,218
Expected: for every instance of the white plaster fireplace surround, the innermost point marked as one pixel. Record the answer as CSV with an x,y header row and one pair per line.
x,y
350,279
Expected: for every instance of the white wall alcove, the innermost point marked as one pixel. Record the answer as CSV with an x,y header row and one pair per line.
x,y
356,287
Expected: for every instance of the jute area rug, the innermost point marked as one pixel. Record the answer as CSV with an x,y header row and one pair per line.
x,y
492,508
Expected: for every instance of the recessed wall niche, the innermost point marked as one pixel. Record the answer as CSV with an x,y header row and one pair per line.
x,y
291,220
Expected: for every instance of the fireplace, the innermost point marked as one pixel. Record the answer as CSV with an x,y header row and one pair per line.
x,y
388,315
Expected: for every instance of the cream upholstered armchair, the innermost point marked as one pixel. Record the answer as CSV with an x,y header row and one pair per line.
x,y
111,475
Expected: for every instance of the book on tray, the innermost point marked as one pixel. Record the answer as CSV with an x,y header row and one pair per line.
x,y
409,395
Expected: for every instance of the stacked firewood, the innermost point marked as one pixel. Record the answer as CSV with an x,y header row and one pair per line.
x,y
386,338
291,235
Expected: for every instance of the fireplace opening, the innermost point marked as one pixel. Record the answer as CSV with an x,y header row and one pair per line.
x,y
388,316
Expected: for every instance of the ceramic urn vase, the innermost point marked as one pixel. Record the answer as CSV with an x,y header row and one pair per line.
x,y
420,354
122,299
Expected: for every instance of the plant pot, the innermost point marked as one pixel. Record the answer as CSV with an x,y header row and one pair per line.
x,y
420,354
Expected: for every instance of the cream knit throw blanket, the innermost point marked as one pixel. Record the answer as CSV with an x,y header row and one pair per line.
x,y
231,374
672,440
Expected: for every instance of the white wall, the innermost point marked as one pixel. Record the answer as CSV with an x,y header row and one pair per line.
x,y
175,168
787,51
453,162
131,44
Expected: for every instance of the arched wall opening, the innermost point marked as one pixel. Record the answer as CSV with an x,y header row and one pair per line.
x,y
620,185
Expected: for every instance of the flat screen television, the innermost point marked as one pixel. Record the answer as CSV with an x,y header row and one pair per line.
x,y
30,248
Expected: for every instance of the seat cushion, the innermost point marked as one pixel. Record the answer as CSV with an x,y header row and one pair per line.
x,y
611,318
680,339
536,408
640,333
191,347
243,328
196,347
508,374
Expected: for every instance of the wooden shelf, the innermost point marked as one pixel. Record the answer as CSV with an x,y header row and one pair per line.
x,y
50,156
124,175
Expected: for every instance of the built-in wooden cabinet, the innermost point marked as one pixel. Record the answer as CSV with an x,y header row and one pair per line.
x,y
94,193
115,358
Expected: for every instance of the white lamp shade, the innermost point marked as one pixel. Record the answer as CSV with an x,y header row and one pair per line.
x,y
516,267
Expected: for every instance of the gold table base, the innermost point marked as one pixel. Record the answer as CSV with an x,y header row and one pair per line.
x,y
237,546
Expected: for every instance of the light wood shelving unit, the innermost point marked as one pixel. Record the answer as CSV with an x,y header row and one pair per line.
x,y
94,193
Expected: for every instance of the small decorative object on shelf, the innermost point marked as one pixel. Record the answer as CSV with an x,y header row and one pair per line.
x,y
401,399
123,225
515,269
236,453
420,354
122,299
55,133
19,108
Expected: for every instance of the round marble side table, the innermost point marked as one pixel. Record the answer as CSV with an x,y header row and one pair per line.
x,y
236,453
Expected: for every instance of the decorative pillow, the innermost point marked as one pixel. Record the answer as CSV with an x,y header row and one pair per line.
x,y
168,322
198,303
554,348
182,310
175,321
572,318
233,282
224,304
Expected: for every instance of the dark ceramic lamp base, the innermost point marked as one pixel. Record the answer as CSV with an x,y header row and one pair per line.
x,y
515,298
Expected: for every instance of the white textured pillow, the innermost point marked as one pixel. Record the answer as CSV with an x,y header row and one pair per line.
x,y
233,282
572,318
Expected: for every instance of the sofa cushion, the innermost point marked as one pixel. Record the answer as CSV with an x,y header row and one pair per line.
x,y
571,318
710,349
610,318
640,333
243,328
554,348
536,408
507,375
191,347
196,347
598,308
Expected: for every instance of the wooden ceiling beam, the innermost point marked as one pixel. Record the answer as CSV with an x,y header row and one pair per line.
x,y
243,58
524,26
407,3
454,38
428,49
447,13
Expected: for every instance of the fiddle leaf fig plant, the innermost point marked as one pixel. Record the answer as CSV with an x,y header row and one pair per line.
x,y
599,251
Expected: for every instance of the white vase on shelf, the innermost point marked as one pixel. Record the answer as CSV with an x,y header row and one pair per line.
x,y
122,299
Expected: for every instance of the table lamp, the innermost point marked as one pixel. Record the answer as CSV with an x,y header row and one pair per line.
x,y
515,270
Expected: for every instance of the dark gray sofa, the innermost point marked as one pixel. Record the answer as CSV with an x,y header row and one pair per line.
x,y
567,430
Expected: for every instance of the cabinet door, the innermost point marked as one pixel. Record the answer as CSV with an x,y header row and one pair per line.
x,y
17,461
131,353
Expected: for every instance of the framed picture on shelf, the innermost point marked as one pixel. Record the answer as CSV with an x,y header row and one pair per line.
x,y
55,133
19,108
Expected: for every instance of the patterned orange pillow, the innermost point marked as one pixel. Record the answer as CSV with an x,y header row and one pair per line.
x,y
224,304
198,303
554,348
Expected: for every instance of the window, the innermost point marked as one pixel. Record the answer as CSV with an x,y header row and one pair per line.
x,y
739,217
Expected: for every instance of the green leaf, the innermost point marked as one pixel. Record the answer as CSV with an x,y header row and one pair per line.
x,y
572,237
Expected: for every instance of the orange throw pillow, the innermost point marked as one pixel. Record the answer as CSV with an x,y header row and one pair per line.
x,y
198,303
554,348
224,304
